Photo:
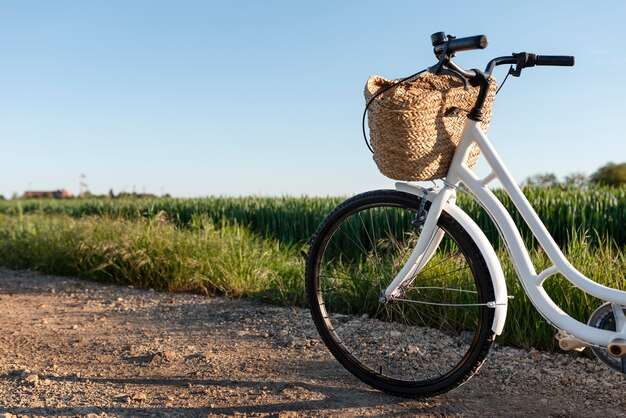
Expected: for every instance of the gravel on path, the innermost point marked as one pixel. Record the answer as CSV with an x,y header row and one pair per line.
x,y
76,348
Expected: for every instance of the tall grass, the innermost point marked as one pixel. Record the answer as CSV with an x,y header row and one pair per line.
x,y
154,253
600,210
253,246
233,260
604,262
288,219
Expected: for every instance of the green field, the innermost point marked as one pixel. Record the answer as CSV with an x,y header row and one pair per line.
x,y
565,211
255,246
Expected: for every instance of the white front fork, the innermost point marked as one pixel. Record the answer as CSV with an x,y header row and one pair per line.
x,y
429,240
427,243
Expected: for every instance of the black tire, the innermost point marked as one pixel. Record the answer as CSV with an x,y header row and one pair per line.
x,y
408,347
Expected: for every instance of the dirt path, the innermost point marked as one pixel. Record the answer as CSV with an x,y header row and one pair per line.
x,y
75,348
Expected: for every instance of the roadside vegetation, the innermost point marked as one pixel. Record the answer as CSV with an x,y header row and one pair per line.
x,y
255,247
564,210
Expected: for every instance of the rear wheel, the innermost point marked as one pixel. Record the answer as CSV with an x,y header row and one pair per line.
x,y
604,318
436,334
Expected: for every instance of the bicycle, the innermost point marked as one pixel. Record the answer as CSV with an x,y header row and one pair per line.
x,y
405,289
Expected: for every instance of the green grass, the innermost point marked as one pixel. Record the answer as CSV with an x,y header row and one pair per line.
x,y
253,246
154,253
600,210
603,262
287,219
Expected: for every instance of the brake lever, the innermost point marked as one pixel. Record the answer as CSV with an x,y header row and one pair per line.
x,y
524,60
515,72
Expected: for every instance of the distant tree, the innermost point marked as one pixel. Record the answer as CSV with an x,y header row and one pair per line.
x,y
543,180
576,180
613,175
111,194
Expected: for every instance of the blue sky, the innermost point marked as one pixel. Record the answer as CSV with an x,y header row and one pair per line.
x,y
198,98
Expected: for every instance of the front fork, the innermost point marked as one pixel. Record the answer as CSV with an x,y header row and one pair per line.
x,y
427,243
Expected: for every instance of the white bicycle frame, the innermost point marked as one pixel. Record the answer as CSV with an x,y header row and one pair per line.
x,y
532,282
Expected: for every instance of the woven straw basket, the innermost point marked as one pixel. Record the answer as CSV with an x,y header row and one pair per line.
x,y
411,135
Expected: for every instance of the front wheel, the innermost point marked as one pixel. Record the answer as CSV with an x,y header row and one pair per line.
x,y
430,339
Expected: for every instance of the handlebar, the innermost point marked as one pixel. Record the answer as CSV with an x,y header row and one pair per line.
x,y
525,59
450,44
445,47
558,60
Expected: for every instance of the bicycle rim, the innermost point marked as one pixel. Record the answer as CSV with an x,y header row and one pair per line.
x,y
429,340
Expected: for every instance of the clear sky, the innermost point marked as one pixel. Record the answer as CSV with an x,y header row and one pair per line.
x,y
198,98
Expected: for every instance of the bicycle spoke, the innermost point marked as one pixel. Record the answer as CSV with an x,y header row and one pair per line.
x,y
424,335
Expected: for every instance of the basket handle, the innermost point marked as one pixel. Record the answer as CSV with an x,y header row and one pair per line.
x,y
378,93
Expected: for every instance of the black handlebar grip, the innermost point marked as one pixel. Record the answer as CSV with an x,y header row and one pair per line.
x,y
557,60
465,44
